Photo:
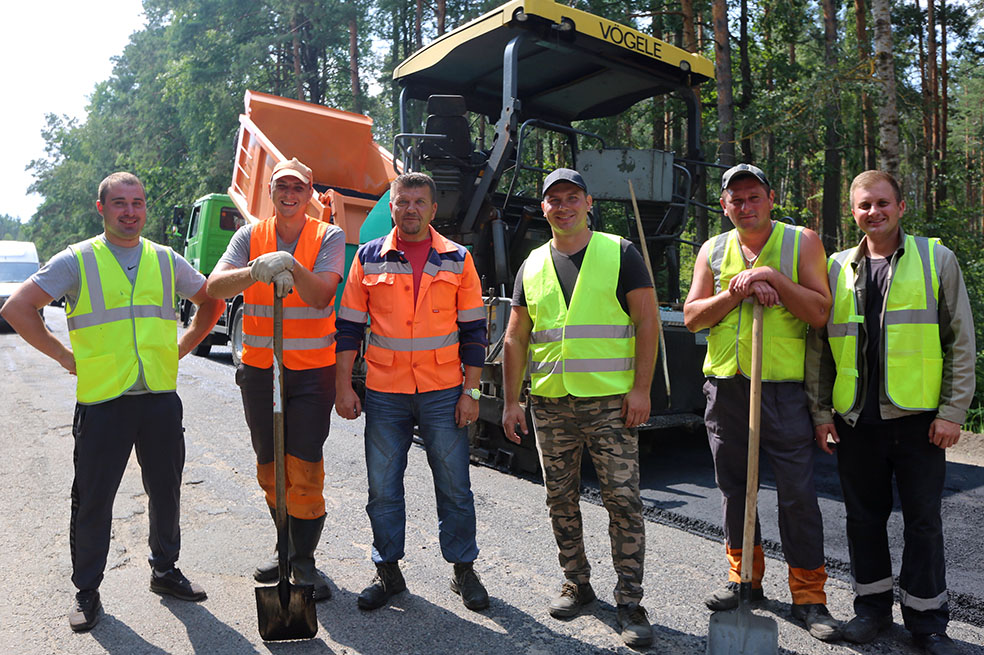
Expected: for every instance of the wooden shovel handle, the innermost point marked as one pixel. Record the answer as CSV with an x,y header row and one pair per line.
x,y
754,423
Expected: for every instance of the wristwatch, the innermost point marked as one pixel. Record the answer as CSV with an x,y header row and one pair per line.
x,y
474,393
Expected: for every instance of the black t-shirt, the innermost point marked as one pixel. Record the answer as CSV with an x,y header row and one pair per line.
x,y
632,274
875,288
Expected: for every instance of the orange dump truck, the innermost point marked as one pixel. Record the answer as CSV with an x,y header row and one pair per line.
x,y
351,173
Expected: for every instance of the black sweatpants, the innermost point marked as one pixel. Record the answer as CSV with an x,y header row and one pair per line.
x,y
105,434
867,457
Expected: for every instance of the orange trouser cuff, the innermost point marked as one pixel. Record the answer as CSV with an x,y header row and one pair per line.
x,y
305,485
758,565
806,585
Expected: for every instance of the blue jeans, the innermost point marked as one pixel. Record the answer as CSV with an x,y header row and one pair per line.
x,y
390,418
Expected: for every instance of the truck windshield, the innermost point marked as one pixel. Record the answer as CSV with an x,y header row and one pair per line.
x,y
16,271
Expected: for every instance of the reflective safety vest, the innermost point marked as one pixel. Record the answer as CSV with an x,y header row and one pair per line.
x,y
588,349
120,330
910,345
309,333
729,343
412,346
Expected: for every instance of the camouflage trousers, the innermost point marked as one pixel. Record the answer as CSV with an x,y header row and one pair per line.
x,y
564,428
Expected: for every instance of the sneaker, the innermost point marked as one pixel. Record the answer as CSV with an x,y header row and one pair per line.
x,y
86,611
862,629
571,599
936,644
633,621
726,598
173,583
818,621
467,584
387,583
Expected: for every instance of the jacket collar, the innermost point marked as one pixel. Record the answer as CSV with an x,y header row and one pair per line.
x,y
438,242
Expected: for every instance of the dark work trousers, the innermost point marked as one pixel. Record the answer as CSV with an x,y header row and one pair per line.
x,y
310,397
105,434
868,455
786,438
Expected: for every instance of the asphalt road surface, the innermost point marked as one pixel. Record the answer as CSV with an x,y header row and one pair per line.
x,y
226,530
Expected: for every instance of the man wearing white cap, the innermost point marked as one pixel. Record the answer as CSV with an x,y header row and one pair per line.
x,y
783,267
289,251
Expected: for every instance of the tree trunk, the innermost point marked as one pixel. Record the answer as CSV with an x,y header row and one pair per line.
x,y
353,26
830,212
690,45
941,179
296,46
867,114
725,100
934,97
442,11
418,30
745,67
888,115
927,129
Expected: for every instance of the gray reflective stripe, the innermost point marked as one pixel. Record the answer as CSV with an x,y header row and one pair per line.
x,y
583,332
546,368
599,332
293,313
411,345
870,588
353,315
835,330
446,265
476,314
99,315
547,336
923,604
309,343
787,255
716,258
849,329
923,245
583,366
912,317
378,268
119,314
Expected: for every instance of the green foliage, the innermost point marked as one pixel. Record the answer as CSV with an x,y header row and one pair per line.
x,y
11,229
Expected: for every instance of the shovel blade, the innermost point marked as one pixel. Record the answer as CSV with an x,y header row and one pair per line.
x,y
280,621
739,632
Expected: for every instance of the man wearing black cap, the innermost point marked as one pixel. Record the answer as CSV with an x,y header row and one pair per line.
x,y
591,342
784,268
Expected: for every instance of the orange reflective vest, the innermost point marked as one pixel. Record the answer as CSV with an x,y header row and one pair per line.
x,y
309,333
411,347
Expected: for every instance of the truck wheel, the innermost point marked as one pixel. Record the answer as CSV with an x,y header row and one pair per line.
x,y
236,336
204,348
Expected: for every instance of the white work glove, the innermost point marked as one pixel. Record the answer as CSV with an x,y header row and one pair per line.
x,y
266,266
283,282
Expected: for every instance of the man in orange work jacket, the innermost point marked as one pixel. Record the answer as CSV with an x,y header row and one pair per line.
x,y
421,296
285,252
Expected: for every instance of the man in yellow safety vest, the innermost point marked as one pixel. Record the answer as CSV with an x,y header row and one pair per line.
x,y
891,378
120,292
591,341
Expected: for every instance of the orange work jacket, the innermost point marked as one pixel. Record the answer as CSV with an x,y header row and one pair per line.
x,y
309,333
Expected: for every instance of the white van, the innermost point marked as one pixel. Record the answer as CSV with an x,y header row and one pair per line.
x,y
18,261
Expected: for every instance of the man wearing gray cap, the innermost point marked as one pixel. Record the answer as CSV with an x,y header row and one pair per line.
x,y
591,342
289,251
783,267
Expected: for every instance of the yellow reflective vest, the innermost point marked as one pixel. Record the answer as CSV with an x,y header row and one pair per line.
x,y
587,349
911,349
729,343
119,330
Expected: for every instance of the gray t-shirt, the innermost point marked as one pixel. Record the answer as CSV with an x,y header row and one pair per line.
x,y
61,277
331,255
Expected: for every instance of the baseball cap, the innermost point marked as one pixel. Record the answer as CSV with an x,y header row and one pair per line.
x,y
740,171
564,175
293,168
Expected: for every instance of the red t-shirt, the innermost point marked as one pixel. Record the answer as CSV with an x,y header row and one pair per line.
x,y
416,253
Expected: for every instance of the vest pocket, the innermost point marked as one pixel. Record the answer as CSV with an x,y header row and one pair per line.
x,y
783,358
443,292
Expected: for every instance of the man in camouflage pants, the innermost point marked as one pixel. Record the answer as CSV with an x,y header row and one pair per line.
x,y
591,340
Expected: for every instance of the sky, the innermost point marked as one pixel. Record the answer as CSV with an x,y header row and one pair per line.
x,y
53,55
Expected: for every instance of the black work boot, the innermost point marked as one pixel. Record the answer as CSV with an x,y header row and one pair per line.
x,y
86,611
387,583
304,537
269,570
466,584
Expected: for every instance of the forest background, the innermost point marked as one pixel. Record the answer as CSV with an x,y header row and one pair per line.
x,y
812,91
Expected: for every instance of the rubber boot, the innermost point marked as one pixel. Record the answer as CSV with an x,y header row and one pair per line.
x,y
269,571
304,537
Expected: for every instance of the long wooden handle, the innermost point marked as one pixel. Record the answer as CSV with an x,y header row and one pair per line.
x,y
754,424
279,463
649,267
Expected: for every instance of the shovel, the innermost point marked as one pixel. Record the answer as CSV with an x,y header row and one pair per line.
x,y
739,632
285,611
